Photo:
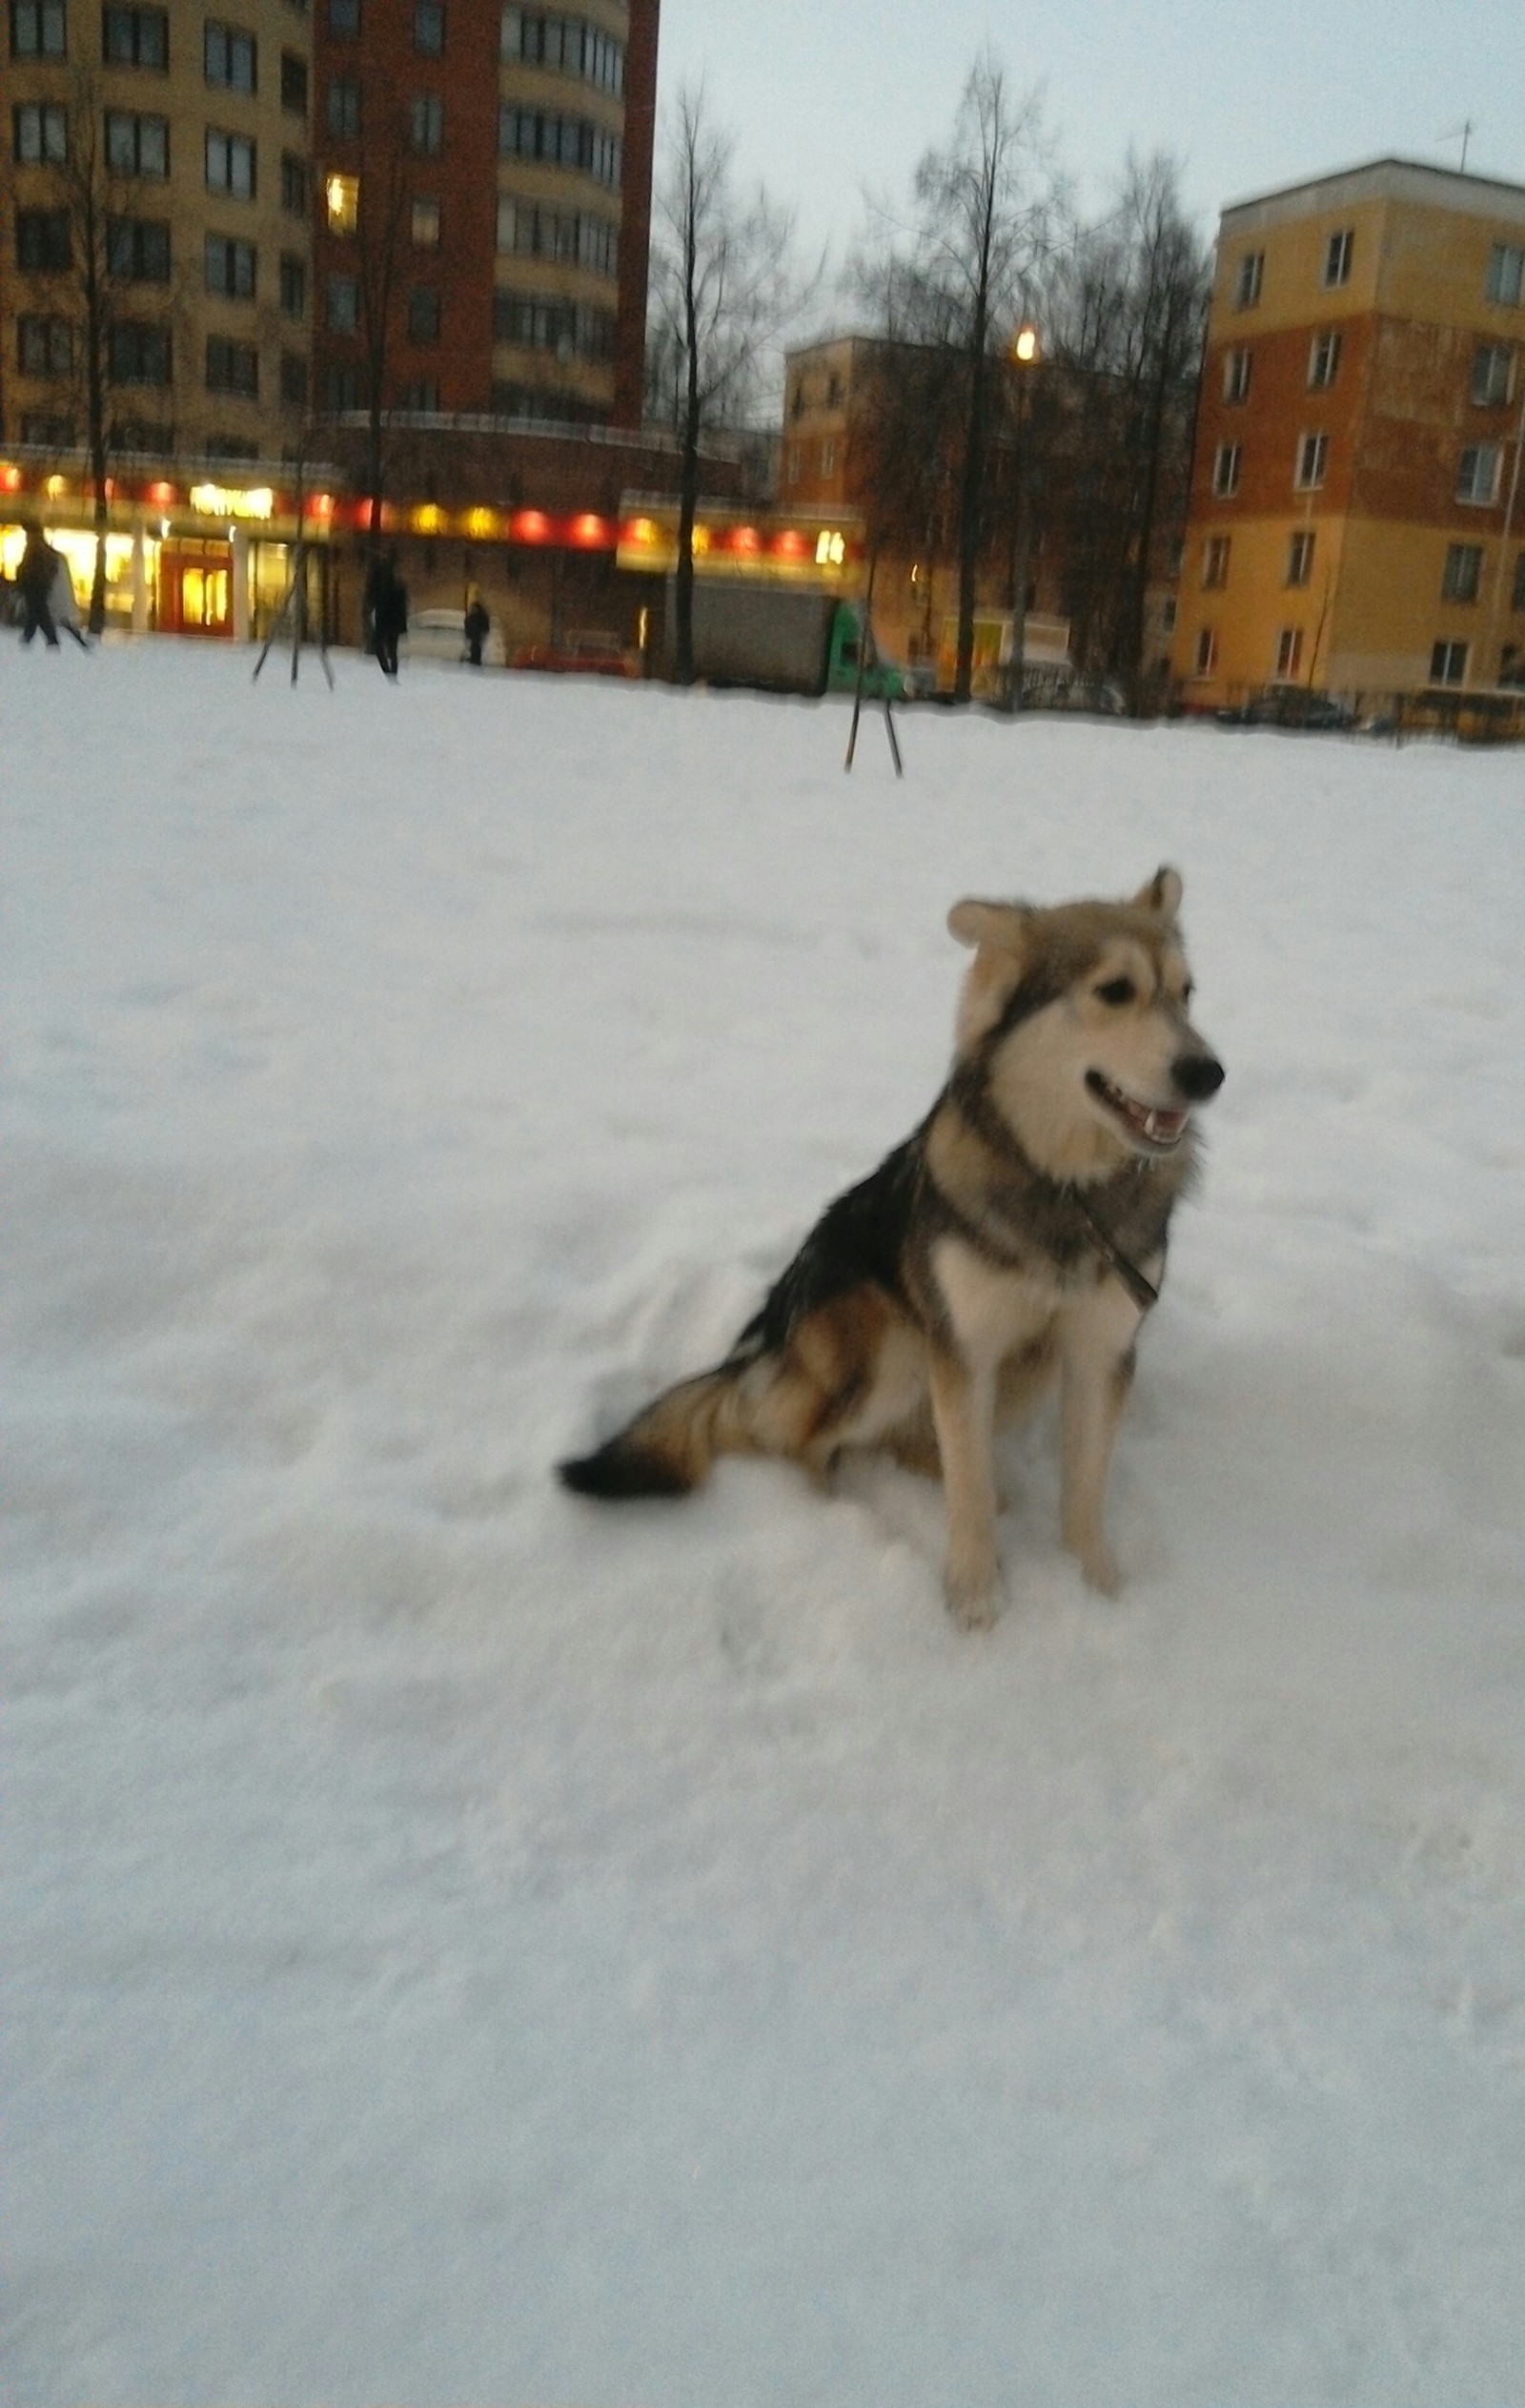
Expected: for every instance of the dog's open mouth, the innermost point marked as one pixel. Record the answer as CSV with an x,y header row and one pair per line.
x,y
1153,1125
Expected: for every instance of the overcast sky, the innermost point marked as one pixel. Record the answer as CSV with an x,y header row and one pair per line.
x,y
829,97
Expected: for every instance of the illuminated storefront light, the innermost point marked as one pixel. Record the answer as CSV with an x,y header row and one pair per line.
x,y
228,501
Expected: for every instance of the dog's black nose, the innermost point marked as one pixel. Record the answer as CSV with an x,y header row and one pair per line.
x,y
1197,1075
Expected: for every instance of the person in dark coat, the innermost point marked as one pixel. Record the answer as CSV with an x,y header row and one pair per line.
x,y
40,564
477,625
386,611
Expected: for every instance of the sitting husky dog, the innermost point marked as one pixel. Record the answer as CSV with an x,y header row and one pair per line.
x,y
1020,1230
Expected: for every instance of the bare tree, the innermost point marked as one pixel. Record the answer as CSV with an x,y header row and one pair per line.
x,y
722,289
379,205
100,261
1128,306
958,290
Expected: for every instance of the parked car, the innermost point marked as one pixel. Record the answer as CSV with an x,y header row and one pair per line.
x,y
587,655
1288,706
440,635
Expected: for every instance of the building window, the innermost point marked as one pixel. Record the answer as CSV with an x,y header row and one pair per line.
x,y
1323,360
135,37
231,268
231,165
293,379
37,29
137,146
232,367
569,142
343,312
1463,573
1517,599
45,346
49,433
230,58
222,447
1337,252
137,249
1288,652
550,234
423,315
293,286
429,28
421,395
342,388
1312,462
344,19
1248,279
1236,375
1300,555
1206,653
39,135
567,45
344,108
139,354
1506,273
1226,461
294,83
549,323
427,124
341,203
1215,560
1493,376
294,184
424,229
43,244
1477,474
1448,663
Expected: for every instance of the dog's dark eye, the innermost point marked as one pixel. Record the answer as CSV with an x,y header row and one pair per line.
x,y
1117,991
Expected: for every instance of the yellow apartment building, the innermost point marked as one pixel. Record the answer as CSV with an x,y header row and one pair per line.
x,y
1356,521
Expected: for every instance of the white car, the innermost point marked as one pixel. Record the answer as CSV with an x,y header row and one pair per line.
x,y
440,635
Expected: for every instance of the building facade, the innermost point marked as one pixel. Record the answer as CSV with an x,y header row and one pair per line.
x,y
485,200
154,232
1354,520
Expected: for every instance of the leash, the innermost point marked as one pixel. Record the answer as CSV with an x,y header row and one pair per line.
x,y
1143,1292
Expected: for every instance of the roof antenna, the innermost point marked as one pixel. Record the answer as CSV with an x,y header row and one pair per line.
x,y
1462,134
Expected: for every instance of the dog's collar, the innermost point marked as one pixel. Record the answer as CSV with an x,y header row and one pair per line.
x,y
991,1128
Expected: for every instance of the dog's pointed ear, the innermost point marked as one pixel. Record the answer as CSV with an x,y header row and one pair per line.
x,y
1001,925
1162,894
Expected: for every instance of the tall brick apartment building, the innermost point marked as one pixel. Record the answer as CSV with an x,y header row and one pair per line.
x,y
1358,516
483,206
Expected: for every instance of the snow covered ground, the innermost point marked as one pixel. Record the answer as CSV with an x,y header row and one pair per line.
x,y
464,1946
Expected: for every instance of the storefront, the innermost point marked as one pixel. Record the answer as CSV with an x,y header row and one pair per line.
x,y
184,555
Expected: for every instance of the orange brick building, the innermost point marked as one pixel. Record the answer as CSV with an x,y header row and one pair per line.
x,y
1356,512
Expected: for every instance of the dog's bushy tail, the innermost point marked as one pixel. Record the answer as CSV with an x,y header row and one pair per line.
x,y
669,1446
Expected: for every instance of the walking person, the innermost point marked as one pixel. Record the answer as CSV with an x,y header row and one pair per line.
x,y
477,625
39,565
386,611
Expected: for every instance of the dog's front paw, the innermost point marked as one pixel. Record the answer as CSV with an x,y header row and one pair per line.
x,y
971,1591
1100,1569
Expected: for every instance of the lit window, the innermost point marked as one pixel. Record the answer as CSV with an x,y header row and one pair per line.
x,y
342,202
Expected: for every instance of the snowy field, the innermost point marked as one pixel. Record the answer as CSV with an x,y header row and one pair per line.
x,y
465,1946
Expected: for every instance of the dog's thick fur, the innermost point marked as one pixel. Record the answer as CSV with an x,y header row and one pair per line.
x,y
1002,1242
